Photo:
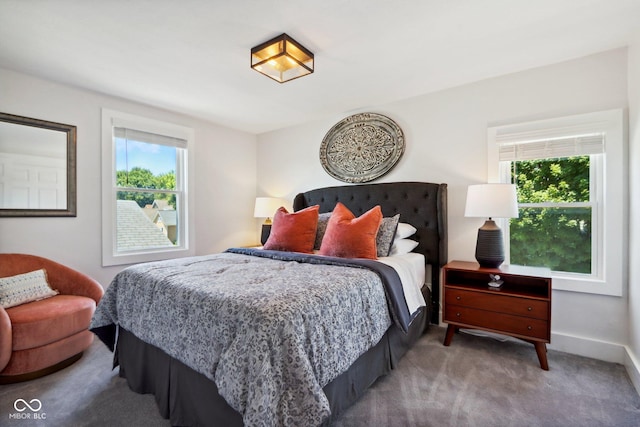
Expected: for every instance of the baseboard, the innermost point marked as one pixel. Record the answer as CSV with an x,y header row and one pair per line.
x,y
633,368
588,347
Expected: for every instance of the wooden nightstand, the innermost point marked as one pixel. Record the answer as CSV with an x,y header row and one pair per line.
x,y
520,308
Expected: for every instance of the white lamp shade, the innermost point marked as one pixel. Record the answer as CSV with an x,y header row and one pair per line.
x,y
266,207
492,201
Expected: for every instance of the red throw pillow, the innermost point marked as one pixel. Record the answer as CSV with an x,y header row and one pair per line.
x,y
293,232
351,237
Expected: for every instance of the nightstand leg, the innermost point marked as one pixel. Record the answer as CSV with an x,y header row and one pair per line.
x,y
541,349
450,331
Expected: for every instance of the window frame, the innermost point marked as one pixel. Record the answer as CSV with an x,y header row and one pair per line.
x,y
609,243
184,181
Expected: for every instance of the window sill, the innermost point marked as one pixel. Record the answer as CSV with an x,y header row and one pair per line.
x,y
586,285
147,256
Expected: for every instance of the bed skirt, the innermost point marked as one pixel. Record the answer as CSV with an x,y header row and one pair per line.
x,y
188,398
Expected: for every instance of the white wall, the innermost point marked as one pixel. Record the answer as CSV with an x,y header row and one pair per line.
x,y
445,136
224,189
633,355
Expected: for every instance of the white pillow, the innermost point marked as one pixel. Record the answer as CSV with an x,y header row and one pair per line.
x,y
405,230
23,288
402,246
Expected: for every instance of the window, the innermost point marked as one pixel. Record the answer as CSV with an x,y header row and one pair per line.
x,y
565,221
558,201
145,197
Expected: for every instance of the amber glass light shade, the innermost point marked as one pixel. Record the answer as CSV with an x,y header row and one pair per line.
x,y
282,59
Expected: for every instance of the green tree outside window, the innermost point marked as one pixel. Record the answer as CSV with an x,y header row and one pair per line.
x,y
140,178
554,226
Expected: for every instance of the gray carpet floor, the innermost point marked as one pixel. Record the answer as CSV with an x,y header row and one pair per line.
x,y
477,381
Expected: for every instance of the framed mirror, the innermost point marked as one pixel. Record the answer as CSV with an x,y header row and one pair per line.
x,y
37,167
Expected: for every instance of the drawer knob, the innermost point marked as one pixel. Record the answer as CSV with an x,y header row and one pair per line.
x,y
457,314
529,327
458,297
530,308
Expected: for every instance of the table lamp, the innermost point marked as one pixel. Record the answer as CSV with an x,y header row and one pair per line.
x,y
266,207
491,201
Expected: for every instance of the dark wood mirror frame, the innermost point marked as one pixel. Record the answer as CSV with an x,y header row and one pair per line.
x,y
70,132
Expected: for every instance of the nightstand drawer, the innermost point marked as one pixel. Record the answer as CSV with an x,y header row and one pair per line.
x,y
493,301
498,322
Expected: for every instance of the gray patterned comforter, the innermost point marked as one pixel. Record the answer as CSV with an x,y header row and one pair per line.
x,y
270,333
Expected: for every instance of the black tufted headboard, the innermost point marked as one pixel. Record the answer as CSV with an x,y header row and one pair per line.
x,y
421,204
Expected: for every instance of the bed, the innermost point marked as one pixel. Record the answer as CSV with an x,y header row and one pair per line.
x,y
187,395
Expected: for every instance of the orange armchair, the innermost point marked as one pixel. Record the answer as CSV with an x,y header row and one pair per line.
x,y
41,337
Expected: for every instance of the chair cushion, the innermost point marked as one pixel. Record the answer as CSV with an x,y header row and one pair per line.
x,y
42,322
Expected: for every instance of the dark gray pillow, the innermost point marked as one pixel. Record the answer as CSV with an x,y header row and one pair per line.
x,y
386,233
323,220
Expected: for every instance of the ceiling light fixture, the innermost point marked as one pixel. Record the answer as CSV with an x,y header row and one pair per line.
x,y
282,59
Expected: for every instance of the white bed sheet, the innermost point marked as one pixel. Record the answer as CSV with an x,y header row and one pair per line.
x,y
411,269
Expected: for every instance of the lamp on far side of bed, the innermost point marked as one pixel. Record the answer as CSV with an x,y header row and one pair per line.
x,y
491,201
266,207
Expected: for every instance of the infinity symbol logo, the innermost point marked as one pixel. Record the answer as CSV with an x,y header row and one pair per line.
x,y
37,405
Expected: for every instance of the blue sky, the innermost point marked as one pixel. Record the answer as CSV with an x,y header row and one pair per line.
x,y
158,159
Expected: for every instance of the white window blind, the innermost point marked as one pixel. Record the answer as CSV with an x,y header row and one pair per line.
x,y
148,137
566,146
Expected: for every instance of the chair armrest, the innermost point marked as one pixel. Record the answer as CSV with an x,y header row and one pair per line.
x,y
71,282
6,339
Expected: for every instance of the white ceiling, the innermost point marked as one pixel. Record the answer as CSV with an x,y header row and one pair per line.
x,y
192,56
